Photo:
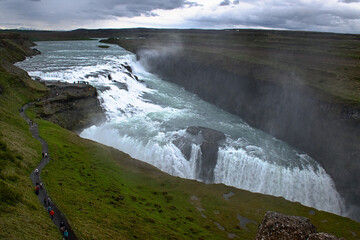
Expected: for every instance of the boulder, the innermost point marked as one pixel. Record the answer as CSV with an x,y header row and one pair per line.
x,y
276,226
209,141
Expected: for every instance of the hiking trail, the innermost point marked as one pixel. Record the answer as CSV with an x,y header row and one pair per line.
x,y
36,177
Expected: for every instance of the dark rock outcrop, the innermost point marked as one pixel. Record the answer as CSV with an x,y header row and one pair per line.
x,y
209,141
276,226
72,106
127,67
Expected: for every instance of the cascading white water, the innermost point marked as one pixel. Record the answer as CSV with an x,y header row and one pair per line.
x,y
144,117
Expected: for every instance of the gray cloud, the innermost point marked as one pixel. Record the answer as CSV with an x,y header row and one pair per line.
x,y
349,1
315,15
228,2
191,4
55,11
225,3
287,14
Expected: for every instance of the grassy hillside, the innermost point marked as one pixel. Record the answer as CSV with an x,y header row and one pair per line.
x,y
21,214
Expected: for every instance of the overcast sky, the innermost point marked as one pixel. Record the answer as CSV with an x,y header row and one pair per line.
x,y
315,15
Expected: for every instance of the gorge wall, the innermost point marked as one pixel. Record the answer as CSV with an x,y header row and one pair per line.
x,y
294,112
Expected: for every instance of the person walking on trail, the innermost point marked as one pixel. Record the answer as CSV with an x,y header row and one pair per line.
x,y
43,155
49,209
62,228
52,214
66,235
36,171
37,188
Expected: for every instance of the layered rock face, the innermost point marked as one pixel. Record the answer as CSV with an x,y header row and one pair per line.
x,y
72,106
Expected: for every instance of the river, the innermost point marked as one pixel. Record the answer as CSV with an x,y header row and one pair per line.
x,y
145,114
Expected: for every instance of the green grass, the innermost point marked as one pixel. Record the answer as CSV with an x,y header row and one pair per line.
x,y
21,214
108,195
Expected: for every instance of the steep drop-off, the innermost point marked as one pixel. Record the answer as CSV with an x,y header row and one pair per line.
x,y
72,106
295,86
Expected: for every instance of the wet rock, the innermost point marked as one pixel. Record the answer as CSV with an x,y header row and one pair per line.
x,y
276,226
127,67
322,236
184,144
34,52
209,141
121,85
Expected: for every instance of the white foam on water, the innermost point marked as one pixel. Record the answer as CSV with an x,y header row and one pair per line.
x,y
310,186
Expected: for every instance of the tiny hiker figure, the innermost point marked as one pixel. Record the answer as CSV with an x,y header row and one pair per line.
x,y
43,155
52,214
37,188
66,234
36,171
62,227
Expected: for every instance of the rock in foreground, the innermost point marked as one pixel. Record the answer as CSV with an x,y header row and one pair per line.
x,y
277,226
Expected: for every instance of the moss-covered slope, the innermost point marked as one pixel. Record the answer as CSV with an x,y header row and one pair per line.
x,y
21,214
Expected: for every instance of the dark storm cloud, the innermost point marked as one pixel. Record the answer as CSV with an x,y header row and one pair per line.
x,y
55,11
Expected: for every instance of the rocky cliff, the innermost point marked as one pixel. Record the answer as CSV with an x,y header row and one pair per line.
x,y
73,106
